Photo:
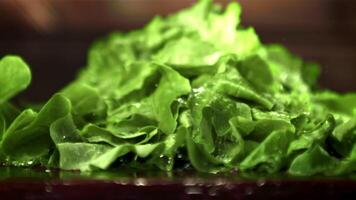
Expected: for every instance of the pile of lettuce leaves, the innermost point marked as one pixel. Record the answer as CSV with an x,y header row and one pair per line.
x,y
193,90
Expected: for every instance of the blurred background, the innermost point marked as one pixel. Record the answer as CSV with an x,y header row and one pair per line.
x,y
53,35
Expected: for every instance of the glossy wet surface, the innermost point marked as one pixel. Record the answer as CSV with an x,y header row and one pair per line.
x,y
22,183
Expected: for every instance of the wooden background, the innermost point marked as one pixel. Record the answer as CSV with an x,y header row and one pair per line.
x,y
53,35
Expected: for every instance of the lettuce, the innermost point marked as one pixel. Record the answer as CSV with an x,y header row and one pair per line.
x,y
15,76
194,89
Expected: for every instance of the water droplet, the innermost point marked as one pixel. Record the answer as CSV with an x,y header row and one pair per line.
x,y
213,191
48,171
140,182
193,190
170,161
161,156
137,105
261,182
66,183
121,182
249,191
198,90
48,188
189,182
180,156
180,100
220,181
187,166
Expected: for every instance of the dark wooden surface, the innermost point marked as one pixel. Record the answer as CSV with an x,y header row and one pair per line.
x,y
53,36
36,183
177,190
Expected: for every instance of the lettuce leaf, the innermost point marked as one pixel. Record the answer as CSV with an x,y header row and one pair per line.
x,y
194,89
15,76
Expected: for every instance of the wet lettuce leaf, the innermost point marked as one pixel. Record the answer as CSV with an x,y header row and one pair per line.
x,y
28,136
194,89
15,76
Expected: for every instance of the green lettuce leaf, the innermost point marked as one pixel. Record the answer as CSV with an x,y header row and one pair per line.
x,y
28,136
194,89
15,76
